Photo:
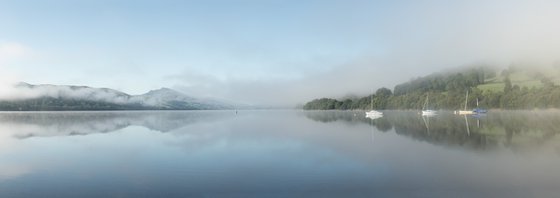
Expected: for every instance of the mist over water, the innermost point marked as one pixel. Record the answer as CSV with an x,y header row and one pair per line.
x,y
280,153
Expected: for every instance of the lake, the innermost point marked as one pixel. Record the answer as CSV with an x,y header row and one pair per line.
x,y
280,153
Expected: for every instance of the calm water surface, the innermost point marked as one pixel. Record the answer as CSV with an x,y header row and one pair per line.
x,y
278,154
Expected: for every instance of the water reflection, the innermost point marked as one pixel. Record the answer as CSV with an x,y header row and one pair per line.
x,y
278,154
201,154
30,124
511,129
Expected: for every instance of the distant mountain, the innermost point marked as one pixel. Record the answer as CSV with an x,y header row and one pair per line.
x,y
28,97
166,98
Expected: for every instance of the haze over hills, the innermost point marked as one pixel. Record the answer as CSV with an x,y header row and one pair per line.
x,y
513,88
28,97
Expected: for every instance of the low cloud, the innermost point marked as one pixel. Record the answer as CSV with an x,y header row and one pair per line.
x,y
10,52
18,91
415,39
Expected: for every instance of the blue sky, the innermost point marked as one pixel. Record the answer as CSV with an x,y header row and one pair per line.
x,y
278,52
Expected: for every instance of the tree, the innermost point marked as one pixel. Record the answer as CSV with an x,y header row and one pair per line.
x,y
383,92
507,87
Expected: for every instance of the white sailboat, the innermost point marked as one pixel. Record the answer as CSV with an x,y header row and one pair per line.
x,y
465,111
425,110
373,114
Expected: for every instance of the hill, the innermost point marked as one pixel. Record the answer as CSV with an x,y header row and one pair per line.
x,y
28,97
517,87
522,77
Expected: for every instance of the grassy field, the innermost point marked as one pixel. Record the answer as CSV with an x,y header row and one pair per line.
x,y
520,79
494,87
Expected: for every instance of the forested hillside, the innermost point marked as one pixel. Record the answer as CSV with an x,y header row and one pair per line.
x,y
28,97
511,88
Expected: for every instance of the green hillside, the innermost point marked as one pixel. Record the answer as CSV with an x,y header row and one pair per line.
x,y
522,77
517,87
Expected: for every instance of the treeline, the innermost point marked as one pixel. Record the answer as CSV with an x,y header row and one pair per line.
x,y
56,104
447,91
380,100
445,82
61,104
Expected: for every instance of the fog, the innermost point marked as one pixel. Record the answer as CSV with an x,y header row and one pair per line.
x,y
417,39
330,49
15,91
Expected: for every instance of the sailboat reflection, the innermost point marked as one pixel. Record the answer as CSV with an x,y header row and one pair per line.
x,y
467,125
426,120
512,129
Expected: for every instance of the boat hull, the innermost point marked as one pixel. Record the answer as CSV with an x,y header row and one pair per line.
x,y
374,114
429,112
479,111
465,112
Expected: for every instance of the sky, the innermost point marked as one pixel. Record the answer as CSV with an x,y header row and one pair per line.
x,y
266,52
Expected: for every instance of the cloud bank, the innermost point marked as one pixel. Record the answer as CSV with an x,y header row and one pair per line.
x,y
415,39
22,91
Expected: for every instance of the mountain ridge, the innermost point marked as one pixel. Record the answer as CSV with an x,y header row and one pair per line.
x,y
30,97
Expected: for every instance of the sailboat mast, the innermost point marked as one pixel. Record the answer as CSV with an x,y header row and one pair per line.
x,y
466,99
476,102
426,102
371,102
